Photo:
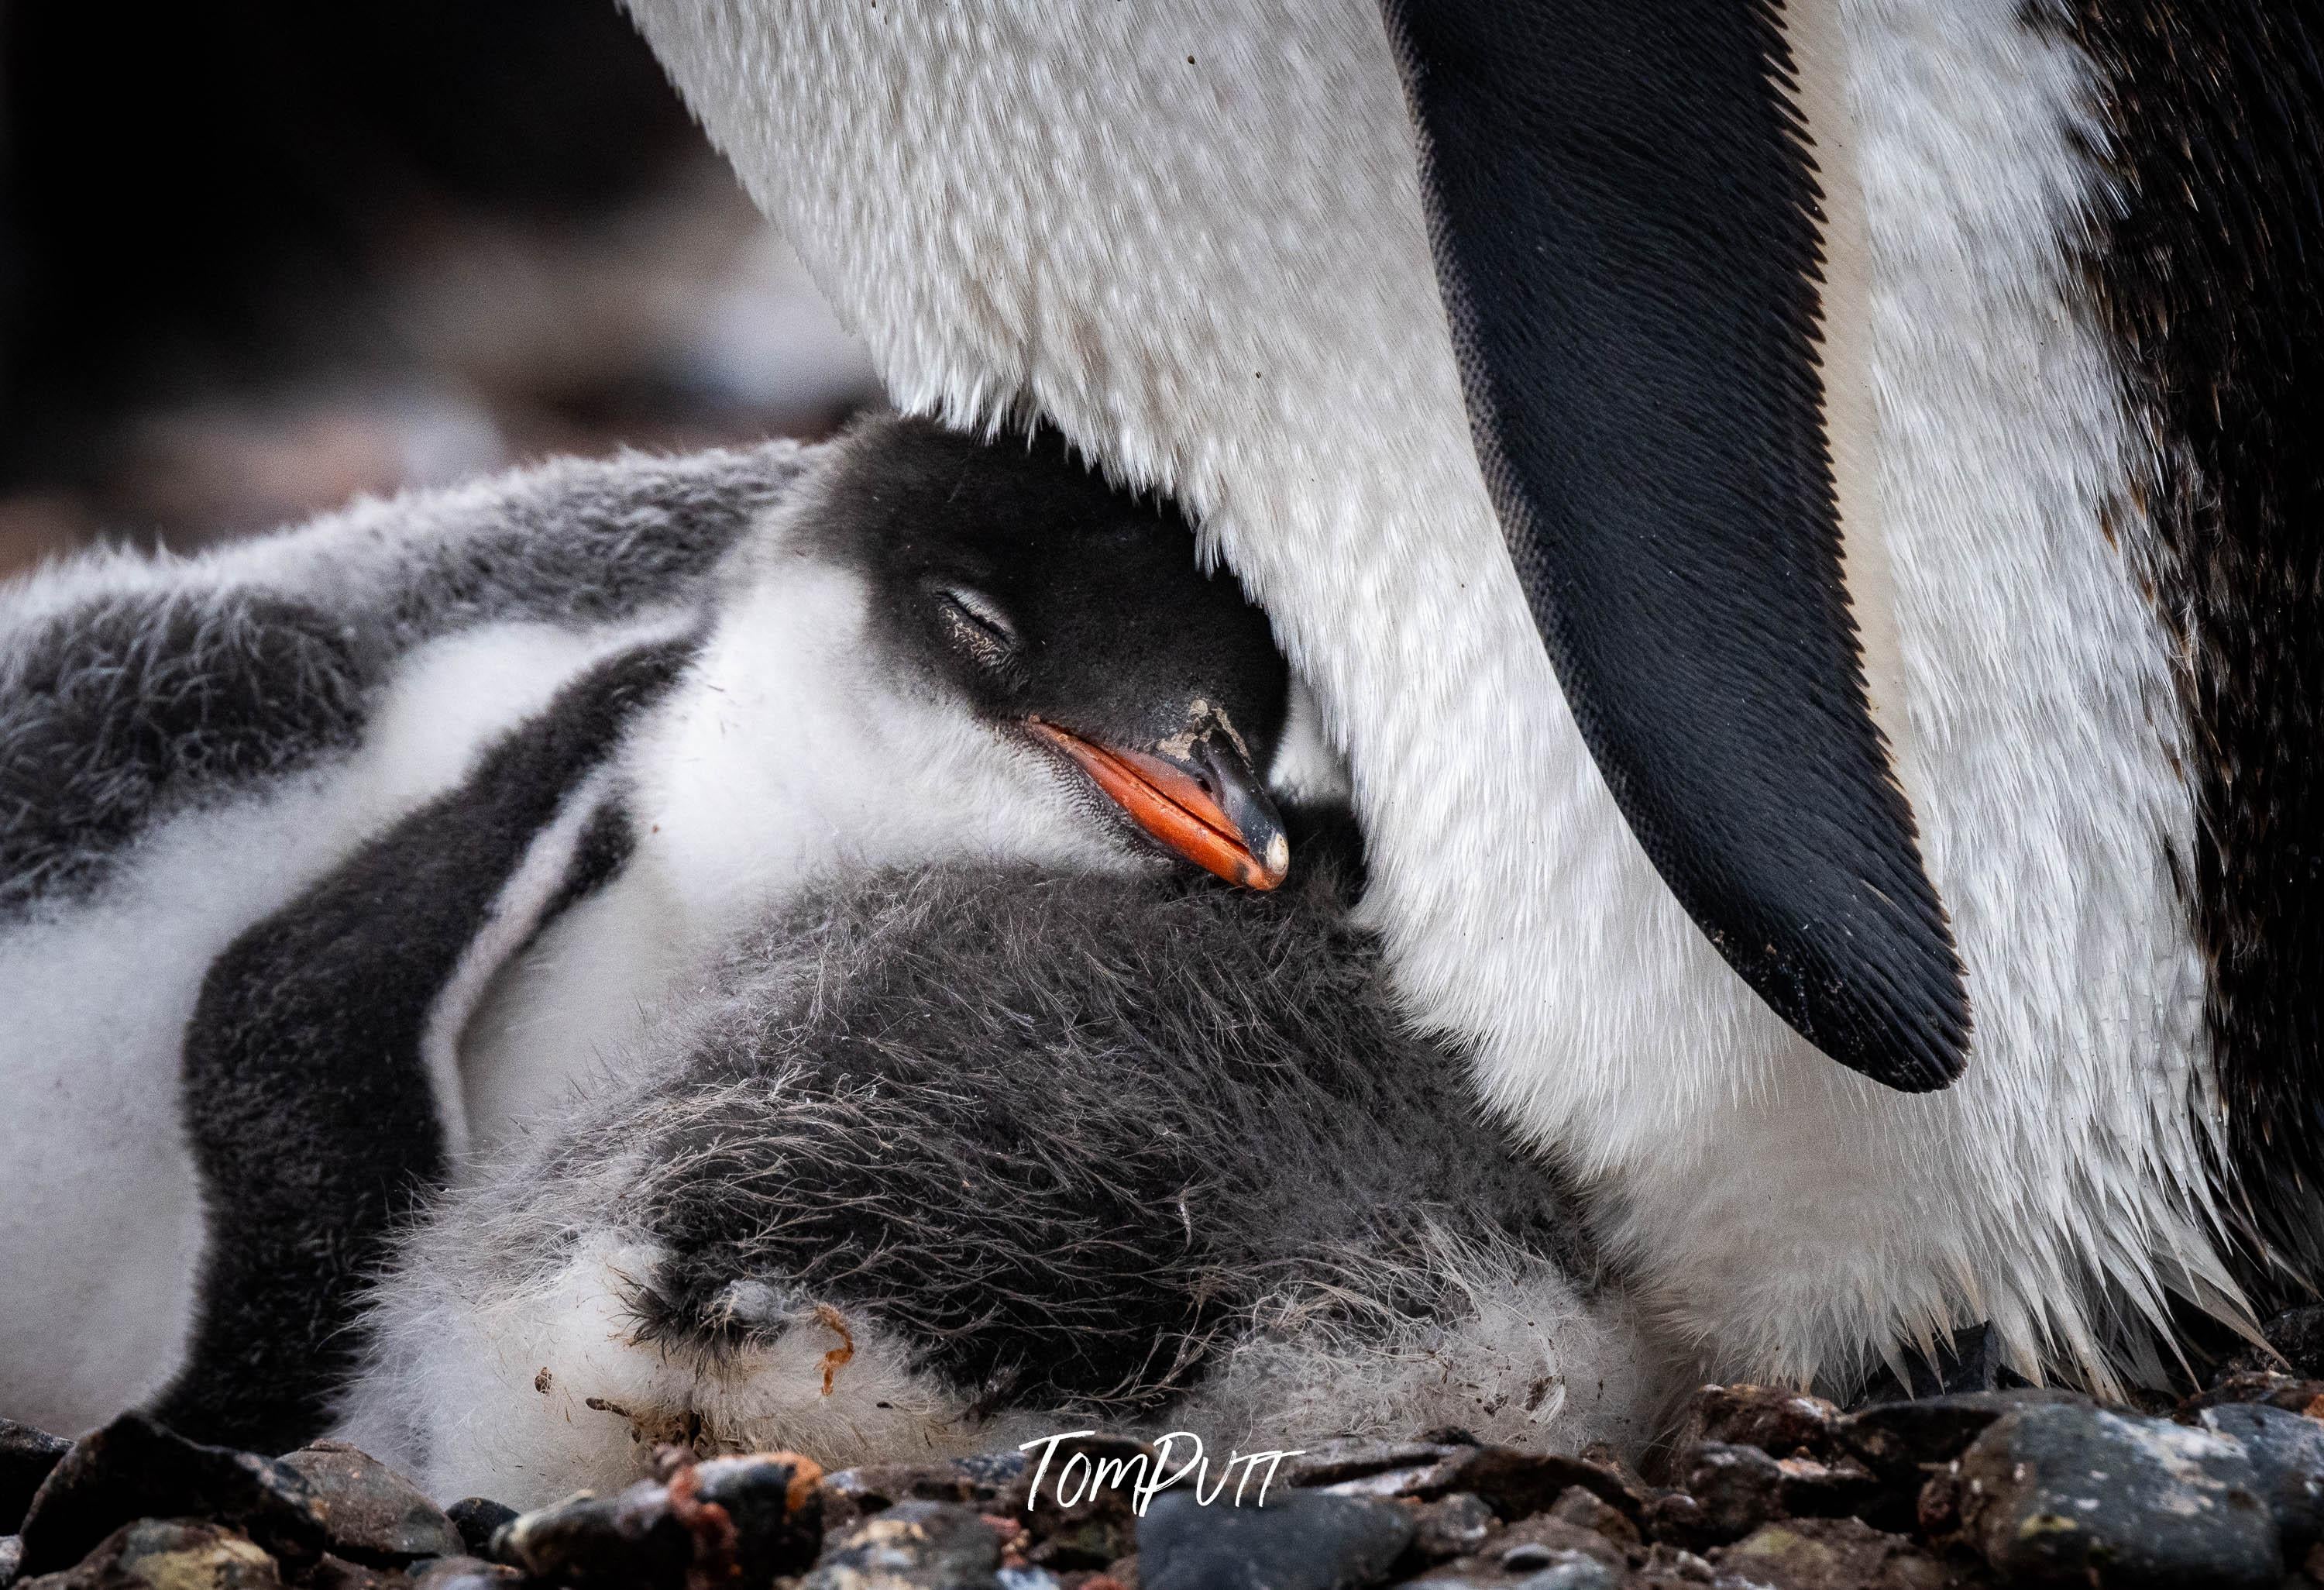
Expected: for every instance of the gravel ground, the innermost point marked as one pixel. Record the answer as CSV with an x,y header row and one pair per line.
x,y
1759,1487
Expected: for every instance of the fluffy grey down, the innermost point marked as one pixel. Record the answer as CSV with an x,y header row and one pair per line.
x,y
132,688
1070,1141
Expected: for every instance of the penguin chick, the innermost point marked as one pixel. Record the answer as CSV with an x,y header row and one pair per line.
x,y
950,651
950,1161
278,821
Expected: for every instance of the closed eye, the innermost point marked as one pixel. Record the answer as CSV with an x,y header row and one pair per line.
x,y
978,625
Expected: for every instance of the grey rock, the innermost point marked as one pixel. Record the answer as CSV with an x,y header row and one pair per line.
x,y
1457,1525
1100,1474
1513,1483
1597,1454
858,1493
771,1504
2290,1393
912,1546
1737,1489
1826,1490
479,1519
336,1573
1517,1484
1832,1554
1299,1541
371,1512
745,1518
591,1541
134,1469
168,1554
1572,1573
464,1573
1675,1565
2067,1495
2287,1450
12,1559
1337,1463
1675,1517
1027,1578
1589,1511
1779,1422
1526,1550
26,1457
1391,1483
1901,1442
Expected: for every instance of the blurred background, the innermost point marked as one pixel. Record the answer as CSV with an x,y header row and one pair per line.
x,y
258,256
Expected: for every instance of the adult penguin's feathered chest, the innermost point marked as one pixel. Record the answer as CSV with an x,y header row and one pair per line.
x,y
1885,414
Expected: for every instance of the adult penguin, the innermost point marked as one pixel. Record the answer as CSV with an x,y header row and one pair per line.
x,y
1792,513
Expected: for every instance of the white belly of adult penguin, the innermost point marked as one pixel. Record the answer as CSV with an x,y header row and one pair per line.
x,y
528,748
1801,518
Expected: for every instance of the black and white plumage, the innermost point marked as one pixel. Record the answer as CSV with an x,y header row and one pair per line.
x,y
1793,514
187,746
339,856
944,1160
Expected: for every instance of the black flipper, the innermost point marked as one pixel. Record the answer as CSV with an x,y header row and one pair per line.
x,y
1625,222
314,1127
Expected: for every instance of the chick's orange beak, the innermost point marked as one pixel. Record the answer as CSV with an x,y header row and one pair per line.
x,y
1208,806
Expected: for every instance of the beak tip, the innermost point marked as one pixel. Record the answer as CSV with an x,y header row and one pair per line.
x,y
1179,805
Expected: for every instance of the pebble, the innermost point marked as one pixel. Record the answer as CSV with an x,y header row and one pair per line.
x,y
1900,1441
859,1493
1735,1489
1099,1525
1299,1541
2292,1393
1779,1422
1572,1573
2072,1494
773,1505
161,1553
2030,1488
479,1519
1342,1463
371,1512
1832,1554
336,1573
1030,1578
1451,1526
1674,1565
1524,1551
593,1541
2287,1452
464,1573
1517,1484
743,1518
133,1469
1589,1511
912,1546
